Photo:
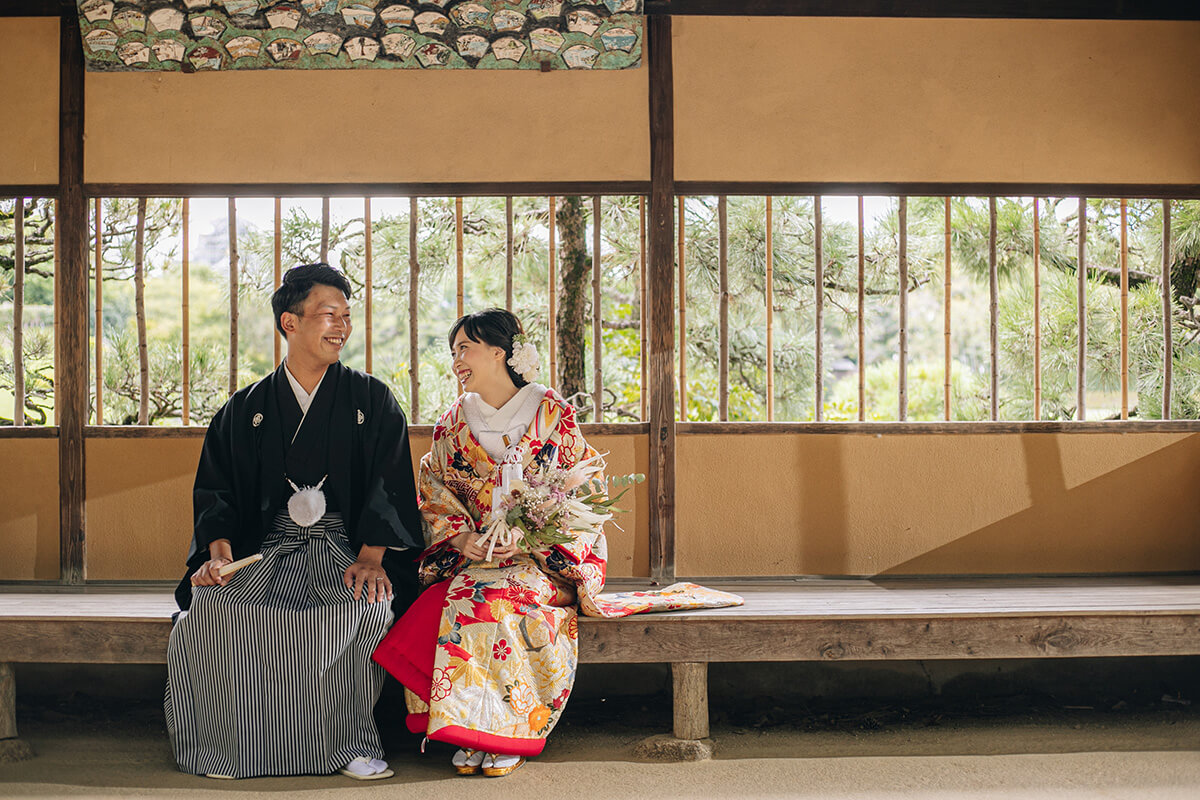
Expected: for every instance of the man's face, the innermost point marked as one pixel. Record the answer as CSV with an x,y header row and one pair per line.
x,y
321,331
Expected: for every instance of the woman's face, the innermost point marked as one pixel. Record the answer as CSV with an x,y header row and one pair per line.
x,y
476,365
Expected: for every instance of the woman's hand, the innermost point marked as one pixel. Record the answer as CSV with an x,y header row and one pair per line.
x,y
467,543
220,553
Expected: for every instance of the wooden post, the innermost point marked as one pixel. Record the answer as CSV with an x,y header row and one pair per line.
x,y
819,299
643,332
993,309
1168,346
683,404
325,229
770,298
233,295
508,253
946,322
18,318
723,245
369,288
597,341
690,684
1124,310
661,478
99,261
414,355
1081,277
187,318
278,272
553,277
1037,311
458,253
139,302
862,353
71,307
903,400
11,748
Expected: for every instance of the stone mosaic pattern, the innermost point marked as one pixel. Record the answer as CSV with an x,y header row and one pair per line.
x,y
200,35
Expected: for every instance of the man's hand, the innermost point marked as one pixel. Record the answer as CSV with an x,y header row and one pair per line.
x,y
467,543
367,578
220,553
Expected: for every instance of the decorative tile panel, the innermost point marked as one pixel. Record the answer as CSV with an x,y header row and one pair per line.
x,y
206,35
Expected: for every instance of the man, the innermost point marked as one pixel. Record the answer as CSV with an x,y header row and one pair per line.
x,y
269,668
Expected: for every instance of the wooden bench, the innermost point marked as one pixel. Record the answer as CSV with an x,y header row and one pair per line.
x,y
782,620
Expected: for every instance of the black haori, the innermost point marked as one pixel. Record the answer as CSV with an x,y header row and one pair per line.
x,y
272,673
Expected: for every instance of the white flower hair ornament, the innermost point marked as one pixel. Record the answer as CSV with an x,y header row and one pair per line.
x,y
524,358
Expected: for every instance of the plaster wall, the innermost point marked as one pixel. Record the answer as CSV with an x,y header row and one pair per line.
x,y
841,99
937,504
28,509
139,507
29,94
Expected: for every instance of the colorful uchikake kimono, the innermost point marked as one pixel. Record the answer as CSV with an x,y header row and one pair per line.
x,y
487,654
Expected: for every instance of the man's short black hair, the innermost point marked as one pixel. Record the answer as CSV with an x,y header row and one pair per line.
x,y
298,282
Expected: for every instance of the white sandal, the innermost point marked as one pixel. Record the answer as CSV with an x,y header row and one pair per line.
x,y
467,762
366,769
497,765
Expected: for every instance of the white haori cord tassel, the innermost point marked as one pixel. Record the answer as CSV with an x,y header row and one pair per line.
x,y
512,472
307,505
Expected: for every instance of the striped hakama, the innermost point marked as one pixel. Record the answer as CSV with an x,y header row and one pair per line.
x,y
271,674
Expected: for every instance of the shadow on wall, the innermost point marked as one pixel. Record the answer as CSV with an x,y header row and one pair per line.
x,y
1090,526
823,504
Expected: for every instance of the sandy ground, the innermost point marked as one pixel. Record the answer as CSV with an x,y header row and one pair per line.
x,y
1001,750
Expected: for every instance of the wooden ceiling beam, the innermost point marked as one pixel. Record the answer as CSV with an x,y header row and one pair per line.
x,y
977,9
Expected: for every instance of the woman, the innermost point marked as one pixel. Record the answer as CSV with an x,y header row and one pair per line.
x,y
487,654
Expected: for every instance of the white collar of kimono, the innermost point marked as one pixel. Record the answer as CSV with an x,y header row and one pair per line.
x,y
499,429
302,397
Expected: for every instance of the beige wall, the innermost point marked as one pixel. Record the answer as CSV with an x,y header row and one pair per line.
x,y
139,507
948,504
29,95
28,509
827,99
368,125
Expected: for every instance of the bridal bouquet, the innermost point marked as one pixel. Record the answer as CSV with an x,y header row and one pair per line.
x,y
553,506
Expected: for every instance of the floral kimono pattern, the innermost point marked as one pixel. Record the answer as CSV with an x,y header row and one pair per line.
x,y
506,631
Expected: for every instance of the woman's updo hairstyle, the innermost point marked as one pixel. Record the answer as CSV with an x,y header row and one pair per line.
x,y
494,327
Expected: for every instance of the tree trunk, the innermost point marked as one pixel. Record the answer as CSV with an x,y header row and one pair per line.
x,y
572,302
139,283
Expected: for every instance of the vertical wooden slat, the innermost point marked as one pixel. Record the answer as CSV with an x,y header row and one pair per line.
x,y
18,317
508,253
370,284
414,355
1081,301
862,366
661,275
325,229
186,311
770,299
903,289
1168,346
98,258
946,322
683,400
71,307
278,270
993,310
723,266
553,276
1037,310
57,298
819,300
139,289
643,304
1124,309
233,296
597,341
459,285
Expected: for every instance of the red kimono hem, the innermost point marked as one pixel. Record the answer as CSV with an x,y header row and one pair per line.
x,y
487,742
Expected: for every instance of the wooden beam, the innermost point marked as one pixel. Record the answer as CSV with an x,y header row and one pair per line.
x,y
233,295
903,289
819,299
643,330
661,295
98,259
71,283
459,288
508,253
862,352
935,428
1168,346
597,320
369,289
302,190
325,229
689,680
1081,314
770,302
1037,310
552,275
187,316
970,9
18,321
278,272
993,311
946,320
1124,310
414,354
723,268
682,257
1176,191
